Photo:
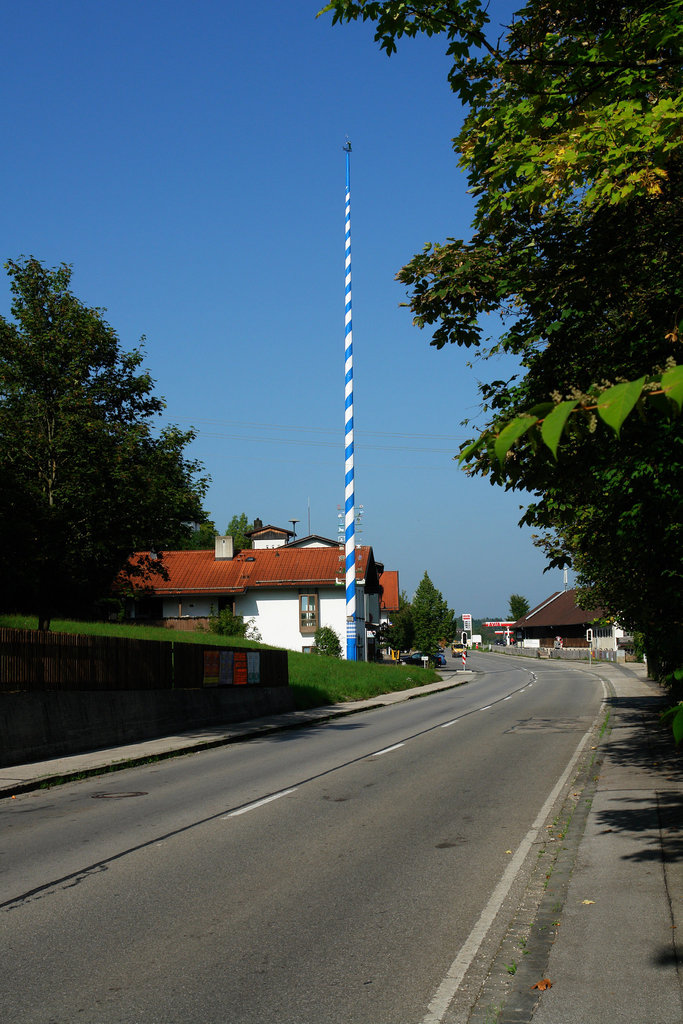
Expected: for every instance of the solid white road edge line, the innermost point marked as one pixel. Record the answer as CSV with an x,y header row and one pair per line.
x,y
445,993
258,803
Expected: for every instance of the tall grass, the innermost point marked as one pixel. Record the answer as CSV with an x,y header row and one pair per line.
x,y
318,680
315,680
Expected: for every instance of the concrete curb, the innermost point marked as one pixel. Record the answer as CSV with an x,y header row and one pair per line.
x,y
24,778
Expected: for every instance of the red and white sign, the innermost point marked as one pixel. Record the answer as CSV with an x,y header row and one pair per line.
x,y
506,624
467,622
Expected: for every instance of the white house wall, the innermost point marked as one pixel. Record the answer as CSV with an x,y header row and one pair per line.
x,y
277,615
605,638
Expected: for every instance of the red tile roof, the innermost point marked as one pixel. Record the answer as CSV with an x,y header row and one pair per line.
x,y
388,581
199,572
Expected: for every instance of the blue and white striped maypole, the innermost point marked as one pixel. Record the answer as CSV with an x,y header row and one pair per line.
x,y
349,501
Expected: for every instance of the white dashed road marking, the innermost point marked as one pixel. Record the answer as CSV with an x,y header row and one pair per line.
x,y
387,749
258,803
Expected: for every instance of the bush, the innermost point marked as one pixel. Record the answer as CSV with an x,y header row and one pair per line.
x,y
327,642
226,623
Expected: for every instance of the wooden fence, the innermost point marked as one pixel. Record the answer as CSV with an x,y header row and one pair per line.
x,y
30,660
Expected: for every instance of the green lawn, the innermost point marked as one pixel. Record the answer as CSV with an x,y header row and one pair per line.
x,y
314,680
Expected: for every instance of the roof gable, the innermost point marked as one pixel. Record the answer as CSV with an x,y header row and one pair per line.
x,y
560,609
269,531
313,540
388,581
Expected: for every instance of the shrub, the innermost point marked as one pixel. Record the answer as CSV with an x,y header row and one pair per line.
x,y
327,642
226,623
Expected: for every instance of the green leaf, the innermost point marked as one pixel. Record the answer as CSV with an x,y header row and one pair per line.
x,y
672,383
510,433
616,403
554,423
677,725
541,410
470,449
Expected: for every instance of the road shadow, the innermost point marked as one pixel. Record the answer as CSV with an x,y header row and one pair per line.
x,y
639,739
295,730
657,820
666,958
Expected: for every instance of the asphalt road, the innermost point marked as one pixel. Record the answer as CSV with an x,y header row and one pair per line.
x,y
347,872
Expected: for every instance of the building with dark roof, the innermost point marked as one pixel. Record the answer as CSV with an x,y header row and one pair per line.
x,y
558,621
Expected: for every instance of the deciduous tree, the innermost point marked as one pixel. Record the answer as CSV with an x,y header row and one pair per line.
x,y
572,147
86,480
238,528
401,633
202,537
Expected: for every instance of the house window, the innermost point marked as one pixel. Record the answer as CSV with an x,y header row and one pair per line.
x,y
308,613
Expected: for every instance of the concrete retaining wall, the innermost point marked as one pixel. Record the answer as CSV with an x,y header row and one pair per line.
x,y
39,725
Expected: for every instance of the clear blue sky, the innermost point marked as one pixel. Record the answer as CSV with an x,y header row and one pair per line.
x,y
186,159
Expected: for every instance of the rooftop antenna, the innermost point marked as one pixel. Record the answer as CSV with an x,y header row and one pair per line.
x,y
294,522
349,498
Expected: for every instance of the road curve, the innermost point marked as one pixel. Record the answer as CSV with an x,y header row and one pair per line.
x,y
343,872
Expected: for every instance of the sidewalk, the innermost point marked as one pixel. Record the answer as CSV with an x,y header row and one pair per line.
x,y
25,777
618,937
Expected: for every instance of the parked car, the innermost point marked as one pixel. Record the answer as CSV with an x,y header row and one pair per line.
x,y
414,658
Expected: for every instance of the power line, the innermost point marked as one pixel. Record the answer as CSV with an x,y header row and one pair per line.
x,y
311,443
316,442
